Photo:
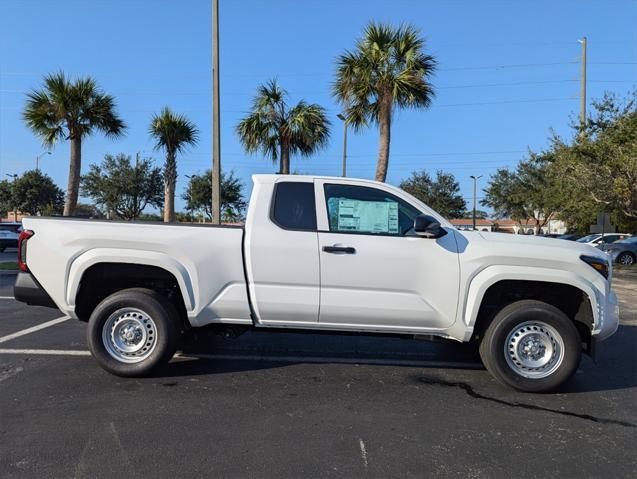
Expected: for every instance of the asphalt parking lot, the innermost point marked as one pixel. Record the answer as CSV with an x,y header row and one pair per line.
x,y
306,405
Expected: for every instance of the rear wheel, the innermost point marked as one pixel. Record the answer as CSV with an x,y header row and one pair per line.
x,y
133,331
626,259
531,346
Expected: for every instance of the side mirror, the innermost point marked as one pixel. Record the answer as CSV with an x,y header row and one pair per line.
x,y
428,227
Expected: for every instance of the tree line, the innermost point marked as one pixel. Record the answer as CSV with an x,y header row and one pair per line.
x,y
576,178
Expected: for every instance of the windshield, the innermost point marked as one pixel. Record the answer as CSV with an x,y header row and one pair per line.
x,y
632,239
587,239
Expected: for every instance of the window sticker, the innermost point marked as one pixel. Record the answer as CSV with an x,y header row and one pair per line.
x,y
367,216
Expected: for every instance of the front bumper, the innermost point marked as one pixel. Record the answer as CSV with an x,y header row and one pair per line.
x,y
29,291
608,316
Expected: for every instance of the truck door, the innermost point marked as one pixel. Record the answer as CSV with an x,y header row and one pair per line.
x,y
281,252
374,271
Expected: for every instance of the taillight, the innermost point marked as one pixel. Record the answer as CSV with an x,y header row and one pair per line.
x,y
22,249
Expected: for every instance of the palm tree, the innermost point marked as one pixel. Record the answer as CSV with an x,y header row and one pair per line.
x,y
278,131
173,133
387,69
67,110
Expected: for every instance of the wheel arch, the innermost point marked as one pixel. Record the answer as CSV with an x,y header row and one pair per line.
x,y
106,271
491,290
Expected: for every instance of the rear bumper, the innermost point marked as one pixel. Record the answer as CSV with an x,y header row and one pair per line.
x,y
29,291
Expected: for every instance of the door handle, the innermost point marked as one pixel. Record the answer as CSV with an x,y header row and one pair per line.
x,y
339,249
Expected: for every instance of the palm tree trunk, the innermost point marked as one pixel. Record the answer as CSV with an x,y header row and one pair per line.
x,y
75,168
284,168
384,123
170,180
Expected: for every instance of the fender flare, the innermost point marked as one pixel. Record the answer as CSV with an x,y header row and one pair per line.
x,y
91,257
491,275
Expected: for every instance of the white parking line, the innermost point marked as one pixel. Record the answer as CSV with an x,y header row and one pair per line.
x,y
7,297
52,352
24,332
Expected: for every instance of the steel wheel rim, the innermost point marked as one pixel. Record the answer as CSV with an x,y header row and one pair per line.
x,y
129,335
534,349
626,259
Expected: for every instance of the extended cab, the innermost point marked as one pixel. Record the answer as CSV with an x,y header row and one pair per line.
x,y
327,254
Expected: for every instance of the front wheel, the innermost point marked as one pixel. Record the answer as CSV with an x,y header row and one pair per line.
x,y
133,331
531,346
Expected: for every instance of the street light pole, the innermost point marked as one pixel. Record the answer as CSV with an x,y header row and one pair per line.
x,y
475,181
37,159
344,119
216,127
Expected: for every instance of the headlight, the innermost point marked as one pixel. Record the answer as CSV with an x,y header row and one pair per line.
x,y
598,264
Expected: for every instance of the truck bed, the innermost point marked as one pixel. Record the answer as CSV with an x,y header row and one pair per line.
x,y
206,260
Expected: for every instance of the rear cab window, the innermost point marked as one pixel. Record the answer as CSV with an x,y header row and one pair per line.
x,y
294,206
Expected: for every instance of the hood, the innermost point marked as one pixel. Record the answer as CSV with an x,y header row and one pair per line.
x,y
531,241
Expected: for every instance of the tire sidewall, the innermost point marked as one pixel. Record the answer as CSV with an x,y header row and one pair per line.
x,y
512,316
151,304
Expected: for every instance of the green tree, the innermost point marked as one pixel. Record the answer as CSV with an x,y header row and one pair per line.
x,y
441,194
122,187
71,110
5,198
199,192
525,193
172,133
597,171
35,193
388,69
480,214
278,131
84,210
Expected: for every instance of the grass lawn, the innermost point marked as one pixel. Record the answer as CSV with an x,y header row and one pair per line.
x,y
10,266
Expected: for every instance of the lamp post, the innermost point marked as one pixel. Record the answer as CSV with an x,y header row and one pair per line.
x,y
344,119
475,181
37,159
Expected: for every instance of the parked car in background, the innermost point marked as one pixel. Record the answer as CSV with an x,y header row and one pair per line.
x,y
623,251
570,236
600,240
8,239
550,235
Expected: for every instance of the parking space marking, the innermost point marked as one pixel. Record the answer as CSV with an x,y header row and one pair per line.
x,y
33,329
51,352
7,297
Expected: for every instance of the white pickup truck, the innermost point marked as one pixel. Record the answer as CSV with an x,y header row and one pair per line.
x,y
327,254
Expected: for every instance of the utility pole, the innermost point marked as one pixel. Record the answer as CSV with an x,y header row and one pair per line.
x,y
344,119
475,181
582,99
216,127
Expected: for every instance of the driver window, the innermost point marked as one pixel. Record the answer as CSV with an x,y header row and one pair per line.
x,y
359,209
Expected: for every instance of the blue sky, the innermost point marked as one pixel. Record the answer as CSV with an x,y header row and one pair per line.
x,y
508,72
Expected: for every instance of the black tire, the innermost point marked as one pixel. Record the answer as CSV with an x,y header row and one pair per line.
x,y
626,258
522,317
165,329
